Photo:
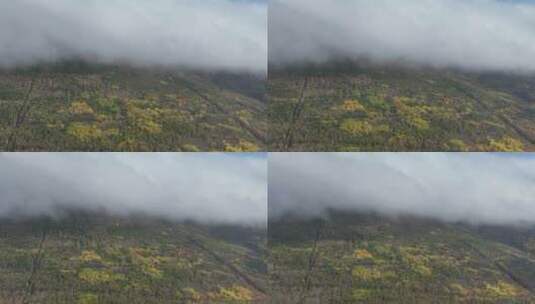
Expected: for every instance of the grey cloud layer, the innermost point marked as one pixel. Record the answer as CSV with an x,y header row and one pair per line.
x,y
208,34
470,34
209,188
475,188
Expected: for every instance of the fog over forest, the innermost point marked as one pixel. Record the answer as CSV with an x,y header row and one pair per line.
x,y
482,35
472,188
218,35
207,188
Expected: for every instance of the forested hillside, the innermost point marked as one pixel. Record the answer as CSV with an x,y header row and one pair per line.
x,y
364,107
365,258
89,258
77,106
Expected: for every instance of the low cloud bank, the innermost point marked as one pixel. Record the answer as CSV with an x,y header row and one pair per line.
x,y
454,187
207,188
209,34
469,34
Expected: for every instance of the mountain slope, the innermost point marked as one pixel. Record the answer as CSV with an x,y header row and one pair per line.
x,y
363,258
350,107
96,258
76,106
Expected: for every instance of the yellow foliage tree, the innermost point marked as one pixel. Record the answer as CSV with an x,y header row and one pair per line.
x,y
355,127
190,294
371,274
457,145
412,115
146,261
81,108
94,276
506,144
363,254
243,146
145,119
353,106
236,293
84,132
90,256
502,289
